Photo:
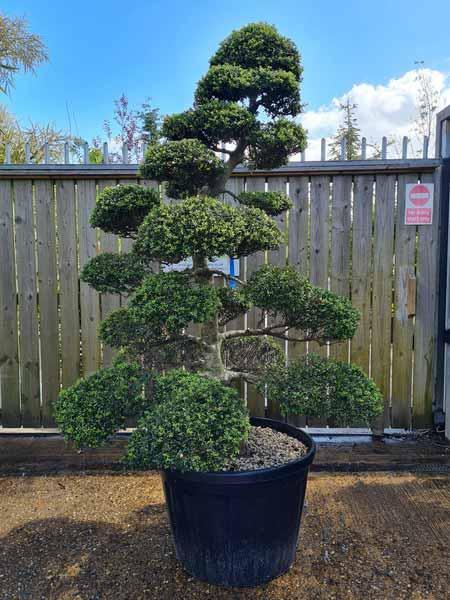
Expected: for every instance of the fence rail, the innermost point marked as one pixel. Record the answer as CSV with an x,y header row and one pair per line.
x,y
345,232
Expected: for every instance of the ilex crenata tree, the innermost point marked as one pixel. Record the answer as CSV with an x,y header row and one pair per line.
x,y
244,113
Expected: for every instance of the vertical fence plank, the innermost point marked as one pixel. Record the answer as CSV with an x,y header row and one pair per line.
x,y
402,364
382,289
109,302
298,247
28,314
255,400
340,248
298,257
278,258
361,267
68,282
89,298
426,311
320,223
9,350
48,297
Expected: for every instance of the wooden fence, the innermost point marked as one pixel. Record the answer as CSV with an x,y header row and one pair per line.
x,y
345,231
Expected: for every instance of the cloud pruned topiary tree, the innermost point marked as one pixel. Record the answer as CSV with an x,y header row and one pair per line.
x,y
245,108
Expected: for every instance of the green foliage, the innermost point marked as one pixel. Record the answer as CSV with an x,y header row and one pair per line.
x,y
276,91
260,233
114,273
204,227
233,304
317,313
319,387
20,50
212,122
124,328
252,354
36,135
95,156
273,143
254,68
159,309
196,226
157,350
149,123
348,131
272,203
170,301
187,166
95,407
256,64
259,45
122,208
194,424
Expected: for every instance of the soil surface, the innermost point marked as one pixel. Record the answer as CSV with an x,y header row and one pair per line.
x,y
267,448
107,537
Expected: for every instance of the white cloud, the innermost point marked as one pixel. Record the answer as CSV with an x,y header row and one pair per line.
x,y
382,110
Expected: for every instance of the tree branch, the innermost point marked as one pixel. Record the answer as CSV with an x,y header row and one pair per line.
x,y
219,273
186,337
228,277
231,375
222,150
270,332
231,194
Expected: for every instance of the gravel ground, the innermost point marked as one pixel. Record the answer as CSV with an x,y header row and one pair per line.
x,y
267,448
106,537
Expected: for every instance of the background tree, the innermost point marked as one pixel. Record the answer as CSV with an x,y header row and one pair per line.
x,y
22,50
427,103
15,134
348,132
19,50
191,419
130,128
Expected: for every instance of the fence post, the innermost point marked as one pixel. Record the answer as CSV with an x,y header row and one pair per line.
x,y
443,133
442,392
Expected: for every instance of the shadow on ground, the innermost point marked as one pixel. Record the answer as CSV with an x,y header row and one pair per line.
x,y
87,538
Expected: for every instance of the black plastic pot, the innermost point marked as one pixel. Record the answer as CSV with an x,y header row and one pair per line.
x,y
239,529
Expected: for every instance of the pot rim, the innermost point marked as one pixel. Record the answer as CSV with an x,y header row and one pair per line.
x,y
256,475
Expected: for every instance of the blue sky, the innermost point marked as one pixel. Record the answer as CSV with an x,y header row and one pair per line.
x,y
99,49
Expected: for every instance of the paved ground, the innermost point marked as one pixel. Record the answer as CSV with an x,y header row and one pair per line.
x,y
106,537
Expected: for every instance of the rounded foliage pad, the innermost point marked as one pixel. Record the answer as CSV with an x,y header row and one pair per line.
x,y
213,122
272,203
195,424
319,387
115,273
204,227
316,313
273,143
168,302
259,45
122,208
187,166
90,411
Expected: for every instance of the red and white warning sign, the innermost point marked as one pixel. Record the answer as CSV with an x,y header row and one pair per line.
x,y
419,203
